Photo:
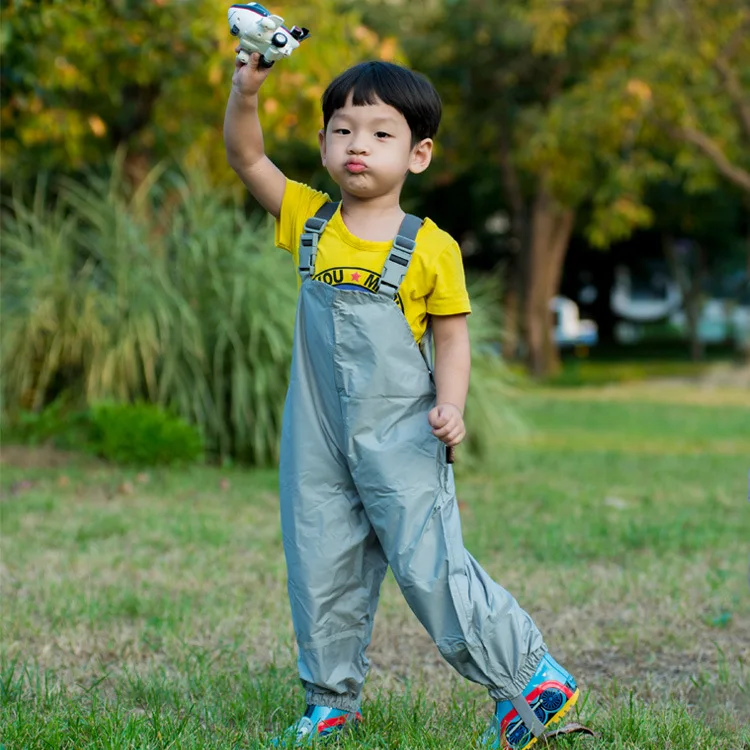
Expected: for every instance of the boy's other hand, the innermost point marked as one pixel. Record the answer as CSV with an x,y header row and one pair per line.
x,y
248,77
447,424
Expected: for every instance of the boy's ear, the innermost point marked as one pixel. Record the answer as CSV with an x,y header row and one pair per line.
x,y
322,143
421,156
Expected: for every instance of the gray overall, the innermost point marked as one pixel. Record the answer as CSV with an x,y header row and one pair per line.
x,y
365,484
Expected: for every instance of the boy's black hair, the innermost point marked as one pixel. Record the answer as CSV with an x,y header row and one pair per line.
x,y
410,93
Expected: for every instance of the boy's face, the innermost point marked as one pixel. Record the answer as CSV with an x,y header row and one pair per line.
x,y
368,149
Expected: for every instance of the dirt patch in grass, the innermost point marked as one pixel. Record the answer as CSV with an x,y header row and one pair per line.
x,y
726,375
42,457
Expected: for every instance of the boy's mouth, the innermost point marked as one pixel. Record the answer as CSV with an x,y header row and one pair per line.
x,y
355,166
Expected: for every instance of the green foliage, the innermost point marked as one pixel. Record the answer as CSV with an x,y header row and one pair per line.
x,y
695,87
143,434
667,100
598,99
80,88
227,366
169,294
85,77
57,424
172,295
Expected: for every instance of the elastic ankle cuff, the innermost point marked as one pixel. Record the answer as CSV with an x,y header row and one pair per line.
x,y
522,678
332,700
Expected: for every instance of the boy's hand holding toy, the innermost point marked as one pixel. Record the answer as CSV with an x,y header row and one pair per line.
x,y
447,424
260,31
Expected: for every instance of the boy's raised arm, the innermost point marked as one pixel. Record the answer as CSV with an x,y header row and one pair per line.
x,y
243,138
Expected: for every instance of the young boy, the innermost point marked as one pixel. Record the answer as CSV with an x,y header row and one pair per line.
x,y
364,480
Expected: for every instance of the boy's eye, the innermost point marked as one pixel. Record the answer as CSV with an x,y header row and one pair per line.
x,y
382,134
342,131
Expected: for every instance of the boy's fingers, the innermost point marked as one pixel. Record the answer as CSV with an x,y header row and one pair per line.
x,y
451,434
435,419
253,63
454,438
256,66
445,430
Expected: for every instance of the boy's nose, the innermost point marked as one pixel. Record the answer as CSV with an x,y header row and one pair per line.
x,y
357,149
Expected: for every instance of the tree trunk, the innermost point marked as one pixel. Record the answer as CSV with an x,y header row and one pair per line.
x,y
551,228
743,344
514,325
692,313
511,306
515,270
689,271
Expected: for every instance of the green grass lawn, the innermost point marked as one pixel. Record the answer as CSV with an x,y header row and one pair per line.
x,y
149,610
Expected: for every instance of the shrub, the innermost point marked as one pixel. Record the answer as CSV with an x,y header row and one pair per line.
x,y
57,424
227,366
170,295
143,434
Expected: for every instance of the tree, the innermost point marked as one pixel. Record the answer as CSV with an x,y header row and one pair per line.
x,y
699,84
582,105
694,94
83,78
669,101
513,76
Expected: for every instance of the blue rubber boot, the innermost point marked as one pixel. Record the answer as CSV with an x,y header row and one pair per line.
x,y
519,723
318,724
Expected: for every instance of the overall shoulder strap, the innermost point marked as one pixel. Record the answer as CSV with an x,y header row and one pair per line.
x,y
399,257
308,241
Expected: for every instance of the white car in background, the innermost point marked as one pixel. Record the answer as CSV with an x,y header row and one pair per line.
x,y
570,329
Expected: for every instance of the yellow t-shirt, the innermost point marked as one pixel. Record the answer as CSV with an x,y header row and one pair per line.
x,y
434,283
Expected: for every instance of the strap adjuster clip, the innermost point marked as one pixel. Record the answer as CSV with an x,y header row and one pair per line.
x,y
404,244
315,224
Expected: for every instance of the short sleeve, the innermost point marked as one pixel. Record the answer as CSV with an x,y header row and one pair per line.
x,y
449,295
300,202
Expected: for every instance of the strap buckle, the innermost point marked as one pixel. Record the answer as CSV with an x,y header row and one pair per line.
x,y
309,241
315,225
399,255
404,244
402,250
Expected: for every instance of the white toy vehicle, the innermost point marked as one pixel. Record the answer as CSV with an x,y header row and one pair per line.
x,y
259,31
